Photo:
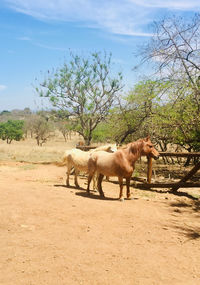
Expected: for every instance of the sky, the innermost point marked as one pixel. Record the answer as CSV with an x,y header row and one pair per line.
x,y
37,35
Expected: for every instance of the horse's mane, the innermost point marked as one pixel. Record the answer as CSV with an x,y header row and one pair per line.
x,y
135,147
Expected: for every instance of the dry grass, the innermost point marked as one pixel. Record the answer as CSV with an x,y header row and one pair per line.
x,y
53,150
28,150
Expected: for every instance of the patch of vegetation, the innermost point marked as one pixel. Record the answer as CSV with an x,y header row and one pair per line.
x,y
11,130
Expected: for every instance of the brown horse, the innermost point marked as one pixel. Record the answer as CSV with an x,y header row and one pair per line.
x,y
120,163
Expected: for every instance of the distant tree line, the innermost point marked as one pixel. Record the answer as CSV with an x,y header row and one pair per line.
x,y
41,125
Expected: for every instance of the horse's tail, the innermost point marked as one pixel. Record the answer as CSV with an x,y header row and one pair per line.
x,y
64,162
92,163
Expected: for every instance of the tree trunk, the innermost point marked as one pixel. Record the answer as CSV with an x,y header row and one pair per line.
x,y
38,141
188,159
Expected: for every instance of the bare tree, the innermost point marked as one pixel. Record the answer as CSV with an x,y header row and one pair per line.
x,y
42,130
175,52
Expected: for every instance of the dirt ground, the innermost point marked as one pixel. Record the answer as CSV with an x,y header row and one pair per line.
x,y
51,234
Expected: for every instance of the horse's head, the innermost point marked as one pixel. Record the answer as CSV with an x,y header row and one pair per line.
x,y
148,149
113,147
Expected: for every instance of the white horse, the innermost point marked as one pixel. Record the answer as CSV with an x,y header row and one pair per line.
x,y
78,159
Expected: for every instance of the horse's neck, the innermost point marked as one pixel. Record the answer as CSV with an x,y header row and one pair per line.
x,y
134,151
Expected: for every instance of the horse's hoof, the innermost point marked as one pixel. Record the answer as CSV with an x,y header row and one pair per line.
x,y
121,199
130,198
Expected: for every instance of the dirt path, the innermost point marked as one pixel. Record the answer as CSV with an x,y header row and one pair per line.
x,y
50,234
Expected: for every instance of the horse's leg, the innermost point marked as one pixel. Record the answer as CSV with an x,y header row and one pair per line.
x,y
128,188
121,198
68,173
107,178
89,180
91,172
76,172
99,186
95,179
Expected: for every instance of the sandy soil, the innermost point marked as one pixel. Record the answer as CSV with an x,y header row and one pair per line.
x,y
51,234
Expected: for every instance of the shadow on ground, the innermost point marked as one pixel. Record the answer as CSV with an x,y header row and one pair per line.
x,y
95,196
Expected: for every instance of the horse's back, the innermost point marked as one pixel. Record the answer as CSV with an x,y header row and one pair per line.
x,y
79,159
111,164
76,158
103,162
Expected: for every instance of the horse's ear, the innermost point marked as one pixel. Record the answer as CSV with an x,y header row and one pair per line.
x,y
147,138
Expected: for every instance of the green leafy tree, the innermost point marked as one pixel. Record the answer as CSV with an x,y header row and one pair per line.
x,y
11,130
178,124
104,131
4,112
5,116
137,106
85,88
174,51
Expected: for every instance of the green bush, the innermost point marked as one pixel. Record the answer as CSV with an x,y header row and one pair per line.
x,y
11,130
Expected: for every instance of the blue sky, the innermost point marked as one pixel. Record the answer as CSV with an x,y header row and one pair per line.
x,y
36,35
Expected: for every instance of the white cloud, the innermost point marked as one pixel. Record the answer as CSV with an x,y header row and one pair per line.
x,y
24,39
170,4
125,17
2,87
35,43
49,47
